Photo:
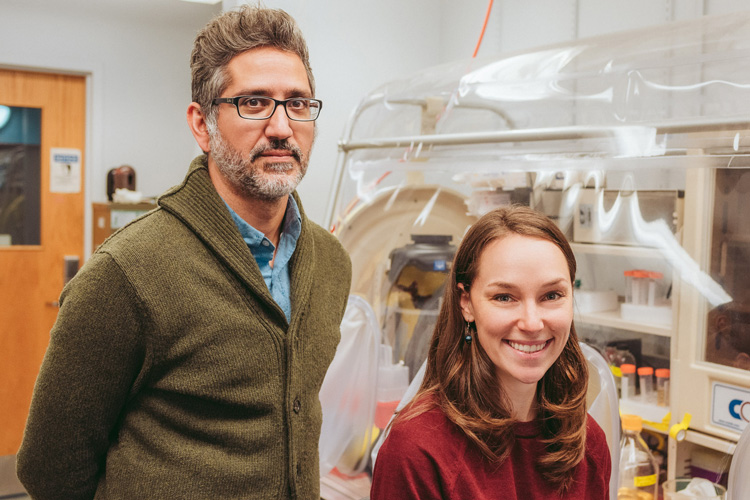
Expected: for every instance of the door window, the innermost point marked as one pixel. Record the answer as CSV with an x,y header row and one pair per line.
x,y
20,175
728,335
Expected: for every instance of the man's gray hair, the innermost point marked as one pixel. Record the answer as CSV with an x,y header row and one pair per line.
x,y
235,32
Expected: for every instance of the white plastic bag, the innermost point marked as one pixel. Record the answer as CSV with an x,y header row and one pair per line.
x,y
349,391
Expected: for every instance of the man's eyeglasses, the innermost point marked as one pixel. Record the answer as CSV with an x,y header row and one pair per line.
x,y
253,107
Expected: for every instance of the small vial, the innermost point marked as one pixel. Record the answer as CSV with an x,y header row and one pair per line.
x,y
646,379
641,286
627,386
662,387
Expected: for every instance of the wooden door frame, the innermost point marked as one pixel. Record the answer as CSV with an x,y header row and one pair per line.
x,y
93,152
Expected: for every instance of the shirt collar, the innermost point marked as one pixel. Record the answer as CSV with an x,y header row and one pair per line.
x,y
292,225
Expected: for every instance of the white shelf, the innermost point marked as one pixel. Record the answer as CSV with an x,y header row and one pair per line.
x,y
647,411
612,319
616,250
712,442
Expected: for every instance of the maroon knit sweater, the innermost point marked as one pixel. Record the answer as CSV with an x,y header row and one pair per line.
x,y
429,457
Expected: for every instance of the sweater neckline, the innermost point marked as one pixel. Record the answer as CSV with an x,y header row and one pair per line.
x,y
529,429
197,204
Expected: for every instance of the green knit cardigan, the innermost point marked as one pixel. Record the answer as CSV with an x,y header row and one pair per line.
x,y
172,374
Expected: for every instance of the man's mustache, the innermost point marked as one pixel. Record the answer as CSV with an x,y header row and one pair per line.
x,y
277,145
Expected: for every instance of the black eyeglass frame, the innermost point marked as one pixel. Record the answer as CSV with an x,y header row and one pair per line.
x,y
236,102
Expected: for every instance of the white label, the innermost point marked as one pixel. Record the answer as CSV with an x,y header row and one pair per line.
x,y
65,170
730,406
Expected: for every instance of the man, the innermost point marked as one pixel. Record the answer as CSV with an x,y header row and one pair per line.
x,y
188,353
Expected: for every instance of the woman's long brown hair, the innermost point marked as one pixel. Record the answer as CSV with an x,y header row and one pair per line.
x,y
462,378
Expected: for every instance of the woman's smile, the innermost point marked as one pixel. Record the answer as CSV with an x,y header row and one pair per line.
x,y
526,347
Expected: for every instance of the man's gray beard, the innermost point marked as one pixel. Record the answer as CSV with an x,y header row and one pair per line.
x,y
248,177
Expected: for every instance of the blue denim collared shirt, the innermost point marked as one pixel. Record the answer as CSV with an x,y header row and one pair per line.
x,y
278,277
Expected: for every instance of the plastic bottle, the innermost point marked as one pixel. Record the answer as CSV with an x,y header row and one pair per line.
x,y
627,385
617,358
646,381
393,380
641,286
638,468
662,386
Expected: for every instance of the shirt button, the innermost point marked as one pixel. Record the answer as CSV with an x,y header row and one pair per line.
x,y
297,405
265,243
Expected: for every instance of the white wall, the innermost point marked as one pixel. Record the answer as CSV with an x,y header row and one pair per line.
x,y
524,25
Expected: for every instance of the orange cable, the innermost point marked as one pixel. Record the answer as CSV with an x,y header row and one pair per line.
x,y
484,27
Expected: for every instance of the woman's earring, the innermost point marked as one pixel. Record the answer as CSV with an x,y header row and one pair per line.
x,y
467,337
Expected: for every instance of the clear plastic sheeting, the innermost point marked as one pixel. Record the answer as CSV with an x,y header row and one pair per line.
x,y
618,138
602,405
646,94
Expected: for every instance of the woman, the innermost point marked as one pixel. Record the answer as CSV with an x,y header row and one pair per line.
x,y
501,412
